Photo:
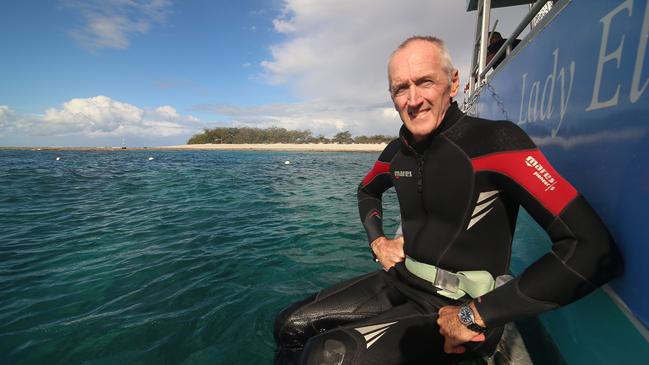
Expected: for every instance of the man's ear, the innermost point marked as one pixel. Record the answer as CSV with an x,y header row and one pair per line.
x,y
455,82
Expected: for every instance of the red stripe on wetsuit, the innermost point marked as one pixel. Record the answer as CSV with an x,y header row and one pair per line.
x,y
379,168
531,170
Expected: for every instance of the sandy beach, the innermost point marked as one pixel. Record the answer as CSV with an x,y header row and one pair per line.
x,y
330,147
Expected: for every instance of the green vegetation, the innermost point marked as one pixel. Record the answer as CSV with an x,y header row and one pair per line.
x,y
277,135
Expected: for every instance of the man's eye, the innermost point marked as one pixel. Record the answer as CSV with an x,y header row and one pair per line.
x,y
427,83
400,91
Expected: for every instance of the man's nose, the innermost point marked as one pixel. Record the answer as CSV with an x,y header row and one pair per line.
x,y
413,96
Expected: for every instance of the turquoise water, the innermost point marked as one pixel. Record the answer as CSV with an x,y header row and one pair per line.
x,y
112,258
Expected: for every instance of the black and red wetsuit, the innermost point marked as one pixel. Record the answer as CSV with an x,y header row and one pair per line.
x,y
459,192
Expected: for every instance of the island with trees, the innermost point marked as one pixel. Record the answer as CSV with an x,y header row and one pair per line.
x,y
248,135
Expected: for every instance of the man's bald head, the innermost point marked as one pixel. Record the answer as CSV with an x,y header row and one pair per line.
x,y
445,57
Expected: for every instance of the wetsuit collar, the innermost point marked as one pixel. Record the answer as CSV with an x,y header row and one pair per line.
x,y
453,114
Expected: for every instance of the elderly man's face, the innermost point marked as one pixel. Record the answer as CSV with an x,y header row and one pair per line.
x,y
420,87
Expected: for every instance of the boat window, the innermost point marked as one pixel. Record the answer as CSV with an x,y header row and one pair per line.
x,y
489,51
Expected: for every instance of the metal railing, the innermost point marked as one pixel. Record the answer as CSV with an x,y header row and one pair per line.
x,y
478,67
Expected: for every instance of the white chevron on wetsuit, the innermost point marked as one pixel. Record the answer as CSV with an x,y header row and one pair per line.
x,y
374,332
475,218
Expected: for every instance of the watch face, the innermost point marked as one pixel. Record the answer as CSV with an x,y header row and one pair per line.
x,y
465,315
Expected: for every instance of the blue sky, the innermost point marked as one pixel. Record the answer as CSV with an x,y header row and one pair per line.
x,y
153,72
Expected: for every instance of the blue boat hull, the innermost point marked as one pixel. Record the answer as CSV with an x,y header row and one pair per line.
x,y
579,86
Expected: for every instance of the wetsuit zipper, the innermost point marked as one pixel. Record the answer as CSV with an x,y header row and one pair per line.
x,y
420,166
420,170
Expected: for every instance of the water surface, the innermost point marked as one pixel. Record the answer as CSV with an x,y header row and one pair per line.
x,y
110,257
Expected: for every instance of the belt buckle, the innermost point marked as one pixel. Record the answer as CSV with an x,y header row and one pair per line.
x,y
446,280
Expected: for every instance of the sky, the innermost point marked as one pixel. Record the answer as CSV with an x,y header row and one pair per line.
x,y
154,72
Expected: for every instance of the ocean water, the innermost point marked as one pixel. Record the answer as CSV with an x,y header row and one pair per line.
x,y
113,258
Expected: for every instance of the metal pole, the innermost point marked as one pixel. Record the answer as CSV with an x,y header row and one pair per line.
x,y
486,10
493,29
526,20
474,51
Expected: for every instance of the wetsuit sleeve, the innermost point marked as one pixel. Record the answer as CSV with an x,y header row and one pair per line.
x,y
583,254
371,190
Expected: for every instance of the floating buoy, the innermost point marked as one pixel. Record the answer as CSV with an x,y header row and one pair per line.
x,y
151,159
58,158
287,162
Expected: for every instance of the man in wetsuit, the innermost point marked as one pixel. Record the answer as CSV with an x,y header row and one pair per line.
x,y
459,181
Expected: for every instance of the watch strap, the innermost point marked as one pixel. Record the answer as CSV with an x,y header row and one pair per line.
x,y
476,327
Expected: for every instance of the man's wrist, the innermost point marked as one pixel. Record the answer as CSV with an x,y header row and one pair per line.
x,y
476,315
377,239
373,243
373,250
469,317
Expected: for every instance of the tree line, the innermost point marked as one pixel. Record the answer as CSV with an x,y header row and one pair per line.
x,y
277,135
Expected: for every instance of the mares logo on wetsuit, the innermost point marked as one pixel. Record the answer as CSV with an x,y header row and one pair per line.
x,y
398,174
540,173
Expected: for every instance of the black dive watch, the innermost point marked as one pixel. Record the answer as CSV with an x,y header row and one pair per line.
x,y
468,319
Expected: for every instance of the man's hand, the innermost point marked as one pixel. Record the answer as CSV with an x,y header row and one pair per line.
x,y
388,252
454,332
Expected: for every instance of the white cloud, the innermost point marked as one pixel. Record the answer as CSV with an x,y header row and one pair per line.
x,y
282,26
338,49
334,57
98,117
8,119
167,112
318,116
5,113
111,23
